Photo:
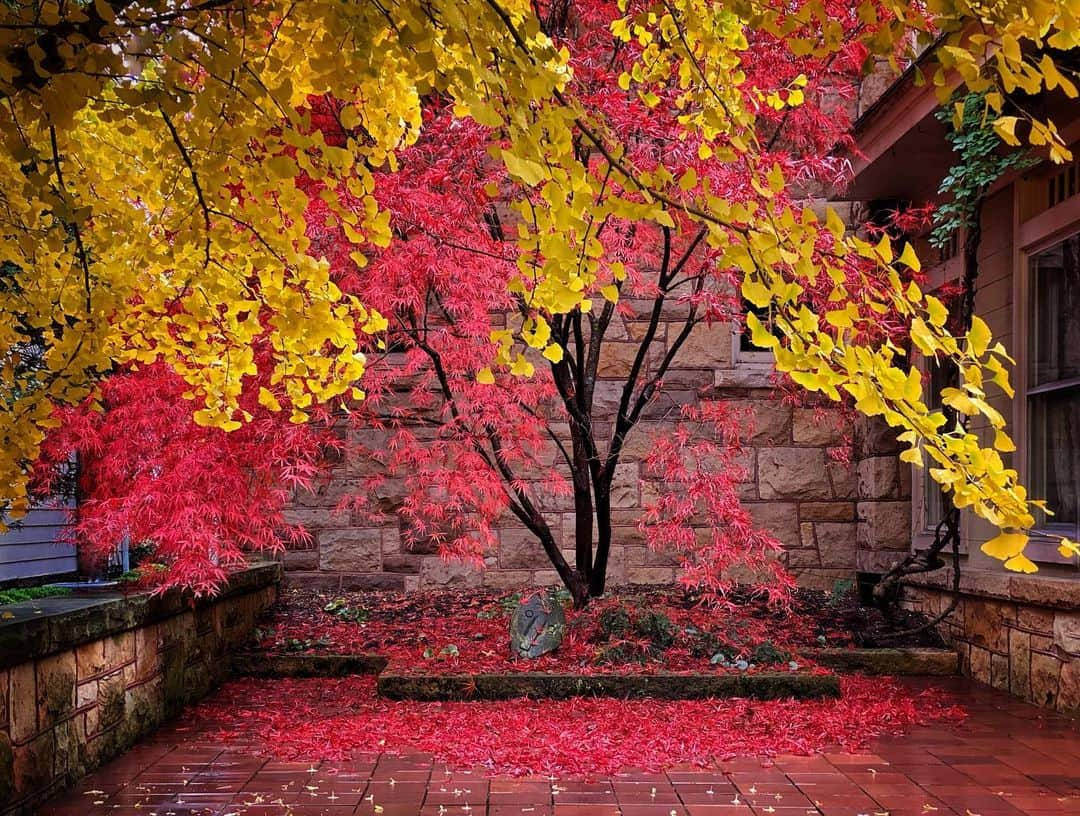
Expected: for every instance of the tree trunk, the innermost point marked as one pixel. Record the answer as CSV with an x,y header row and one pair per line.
x,y
583,511
579,590
598,579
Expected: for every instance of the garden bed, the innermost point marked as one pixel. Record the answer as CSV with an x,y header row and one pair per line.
x,y
638,632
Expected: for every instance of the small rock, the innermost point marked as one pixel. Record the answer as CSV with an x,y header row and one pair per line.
x,y
537,626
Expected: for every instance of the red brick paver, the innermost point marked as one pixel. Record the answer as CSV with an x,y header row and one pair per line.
x,y
1007,759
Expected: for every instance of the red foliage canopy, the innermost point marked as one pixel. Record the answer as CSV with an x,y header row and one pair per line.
x,y
200,496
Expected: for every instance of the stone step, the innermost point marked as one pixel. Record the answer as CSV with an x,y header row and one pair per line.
x,y
265,664
905,662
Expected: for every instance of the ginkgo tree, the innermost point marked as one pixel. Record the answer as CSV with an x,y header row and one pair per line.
x,y
151,212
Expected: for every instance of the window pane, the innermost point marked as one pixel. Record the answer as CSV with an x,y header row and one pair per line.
x,y
1055,316
1054,419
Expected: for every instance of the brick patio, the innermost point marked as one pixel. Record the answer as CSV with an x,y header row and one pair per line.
x,y
1007,758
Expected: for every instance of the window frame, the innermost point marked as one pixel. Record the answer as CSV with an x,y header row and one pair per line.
x,y
753,359
946,270
1036,235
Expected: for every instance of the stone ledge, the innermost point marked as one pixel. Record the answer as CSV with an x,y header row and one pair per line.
x,y
899,662
1057,593
50,625
261,664
764,686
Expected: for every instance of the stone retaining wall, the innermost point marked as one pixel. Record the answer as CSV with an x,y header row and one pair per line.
x,y
82,678
1018,633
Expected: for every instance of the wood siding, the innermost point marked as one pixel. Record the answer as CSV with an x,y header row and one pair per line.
x,y
34,548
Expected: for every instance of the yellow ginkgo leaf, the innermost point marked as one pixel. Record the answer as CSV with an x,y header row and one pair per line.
x,y
1003,442
1005,545
1021,563
554,353
909,259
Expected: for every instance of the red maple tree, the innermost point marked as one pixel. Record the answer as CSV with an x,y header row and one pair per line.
x,y
468,453
199,498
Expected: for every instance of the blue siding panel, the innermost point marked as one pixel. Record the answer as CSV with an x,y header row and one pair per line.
x,y
31,548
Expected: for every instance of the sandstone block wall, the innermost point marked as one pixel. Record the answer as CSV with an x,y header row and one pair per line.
x,y
82,682
832,517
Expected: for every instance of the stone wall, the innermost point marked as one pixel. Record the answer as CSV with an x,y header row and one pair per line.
x,y
1018,633
832,517
81,679
884,492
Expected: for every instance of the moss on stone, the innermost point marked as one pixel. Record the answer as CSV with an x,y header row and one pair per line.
x,y
899,661
760,686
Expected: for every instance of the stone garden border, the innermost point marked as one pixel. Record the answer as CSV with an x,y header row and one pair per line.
x,y
265,664
36,629
901,662
666,686
395,684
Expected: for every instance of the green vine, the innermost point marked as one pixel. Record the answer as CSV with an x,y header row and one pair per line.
x,y
981,160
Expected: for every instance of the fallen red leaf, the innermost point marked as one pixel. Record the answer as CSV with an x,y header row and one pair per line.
x,y
336,719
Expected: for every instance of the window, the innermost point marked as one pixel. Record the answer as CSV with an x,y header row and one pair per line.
x,y
1053,394
743,351
764,315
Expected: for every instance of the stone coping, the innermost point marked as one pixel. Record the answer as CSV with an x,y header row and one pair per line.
x,y
1056,593
48,625
430,687
901,661
396,684
537,685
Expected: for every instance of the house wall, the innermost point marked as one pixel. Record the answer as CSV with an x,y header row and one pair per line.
x,y
1019,633
793,487
1002,300
34,548
82,678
